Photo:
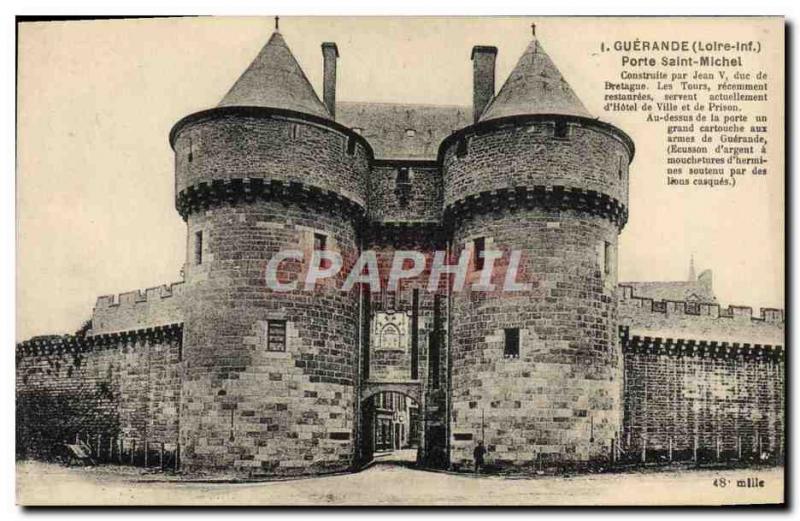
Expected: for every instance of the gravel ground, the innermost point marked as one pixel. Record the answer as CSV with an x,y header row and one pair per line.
x,y
391,483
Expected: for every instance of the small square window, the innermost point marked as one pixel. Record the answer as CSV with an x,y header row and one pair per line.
x,y
479,246
511,349
276,335
403,177
562,129
198,248
410,132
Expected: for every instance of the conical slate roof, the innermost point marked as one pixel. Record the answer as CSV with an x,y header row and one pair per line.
x,y
275,79
535,86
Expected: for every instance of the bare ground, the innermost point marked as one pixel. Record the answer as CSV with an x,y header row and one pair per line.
x,y
389,482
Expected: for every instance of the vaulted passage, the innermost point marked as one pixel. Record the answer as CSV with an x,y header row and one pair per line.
x,y
391,428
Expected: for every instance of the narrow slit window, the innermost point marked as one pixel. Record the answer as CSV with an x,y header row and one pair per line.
x,y
190,155
479,246
620,168
351,146
276,335
511,349
461,148
294,131
562,129
198,248
320,244
608,254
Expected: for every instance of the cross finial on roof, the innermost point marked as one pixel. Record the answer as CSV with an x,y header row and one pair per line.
x,y
277,18
533,29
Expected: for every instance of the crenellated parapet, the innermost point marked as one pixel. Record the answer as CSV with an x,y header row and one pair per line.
x,y
202,196
138,309
139,296
700,320
59,345
689,347
555,198
674,307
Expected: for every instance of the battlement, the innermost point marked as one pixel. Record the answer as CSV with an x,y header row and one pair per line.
x,y
138,309
700,348
139,296
58,345
699,320
674,307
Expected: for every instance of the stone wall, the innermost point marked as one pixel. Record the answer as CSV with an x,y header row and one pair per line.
x,y
527,155
699,321
418,200
138,309
702,377
123,386
560,400
708,400
274,147
247,408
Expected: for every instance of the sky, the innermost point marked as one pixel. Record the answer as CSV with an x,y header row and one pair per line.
x,y
96,101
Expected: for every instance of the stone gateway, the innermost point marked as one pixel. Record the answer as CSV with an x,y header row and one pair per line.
x,y
219,372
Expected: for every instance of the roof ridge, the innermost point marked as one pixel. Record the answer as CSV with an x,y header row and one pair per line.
x,y
404,104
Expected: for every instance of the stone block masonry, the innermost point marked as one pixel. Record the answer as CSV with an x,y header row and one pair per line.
x,y
138,309
248,381
699,320
270,376
122,386
701,400
702,381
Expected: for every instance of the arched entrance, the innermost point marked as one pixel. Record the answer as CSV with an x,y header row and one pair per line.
x,y
391,426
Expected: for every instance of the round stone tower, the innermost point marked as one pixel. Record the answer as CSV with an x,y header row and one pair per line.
x,y
269,381
536,373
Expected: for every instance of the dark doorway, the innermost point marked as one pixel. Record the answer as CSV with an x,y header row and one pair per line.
x,y
390,428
